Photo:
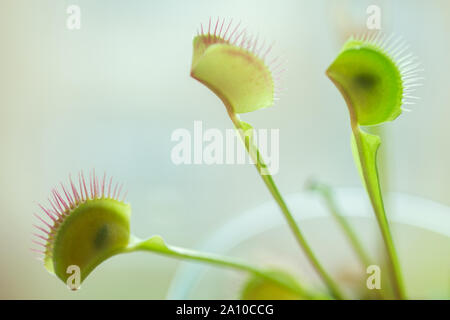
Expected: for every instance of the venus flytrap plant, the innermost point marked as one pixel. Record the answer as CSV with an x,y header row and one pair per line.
x,y
233,65
375,83
88,223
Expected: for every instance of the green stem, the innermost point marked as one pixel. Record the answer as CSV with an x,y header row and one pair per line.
x,y
331,204
376,199
268,180
157,245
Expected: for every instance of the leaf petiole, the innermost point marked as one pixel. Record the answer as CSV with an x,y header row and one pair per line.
x,y
157,245
365,147
327,195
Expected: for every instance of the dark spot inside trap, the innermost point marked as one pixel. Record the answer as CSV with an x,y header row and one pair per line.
x,y
365,80
101,238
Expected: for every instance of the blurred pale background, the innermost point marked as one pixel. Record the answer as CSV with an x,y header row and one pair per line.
x,y
109,96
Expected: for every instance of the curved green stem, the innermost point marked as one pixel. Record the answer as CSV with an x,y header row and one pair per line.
x,y
327,194
366,146
156,244
261,167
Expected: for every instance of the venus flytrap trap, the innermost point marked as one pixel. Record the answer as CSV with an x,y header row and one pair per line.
x,y
89,222
233,65
86,225
375,83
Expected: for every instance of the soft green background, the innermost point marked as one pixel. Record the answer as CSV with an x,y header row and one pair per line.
x,y
109,96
